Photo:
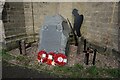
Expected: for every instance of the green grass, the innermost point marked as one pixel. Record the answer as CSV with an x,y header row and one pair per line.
x,y
23,59
77,71
20,58
6,55
65,69
62,69
98,72
3,51
92,71
79,67
74,71
113,72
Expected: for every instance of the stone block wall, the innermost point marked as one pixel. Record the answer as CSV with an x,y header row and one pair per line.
x,y
34,17
14,23
100,25
1,25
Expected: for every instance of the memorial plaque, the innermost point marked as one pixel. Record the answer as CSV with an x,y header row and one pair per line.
x,y
54,34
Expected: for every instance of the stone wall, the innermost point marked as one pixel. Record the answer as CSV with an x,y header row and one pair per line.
x,y
34,17
14,23
2,36
119,26
100,25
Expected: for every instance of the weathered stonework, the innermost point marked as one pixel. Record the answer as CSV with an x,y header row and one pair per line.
x,y
14,23
100,25
101,21
34,16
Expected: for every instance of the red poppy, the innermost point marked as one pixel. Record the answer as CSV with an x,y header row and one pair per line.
x,y
42,56
50,58
60,59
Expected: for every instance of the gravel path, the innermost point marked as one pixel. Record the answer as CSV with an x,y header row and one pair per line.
x,y
74,58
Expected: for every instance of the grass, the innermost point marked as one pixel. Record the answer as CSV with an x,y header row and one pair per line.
x,y
20,58
66,69
3,51
6,55
78,66
71,72
113,72
77,71
92,71
100,72
23,59
63,69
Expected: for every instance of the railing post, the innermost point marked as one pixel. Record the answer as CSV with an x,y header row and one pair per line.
x,y
78,48
87,57
85,45
94,57
22,47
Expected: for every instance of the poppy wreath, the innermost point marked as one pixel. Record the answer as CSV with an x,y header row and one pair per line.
x,y
60,59
42,56
50,59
